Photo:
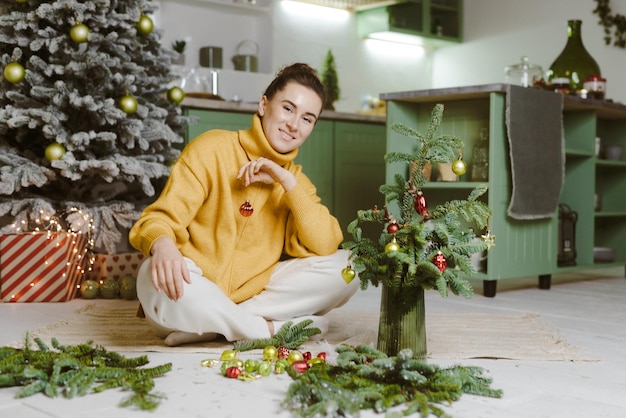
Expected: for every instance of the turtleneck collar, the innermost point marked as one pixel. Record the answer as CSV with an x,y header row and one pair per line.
x,y
256,145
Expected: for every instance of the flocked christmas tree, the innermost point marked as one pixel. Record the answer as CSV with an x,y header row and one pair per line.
x,y
421,248
86,119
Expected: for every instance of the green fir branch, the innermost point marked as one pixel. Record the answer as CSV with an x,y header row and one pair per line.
x,y
289,335
77,370
365,378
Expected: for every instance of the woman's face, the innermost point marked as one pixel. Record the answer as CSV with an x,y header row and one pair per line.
x,y
289,117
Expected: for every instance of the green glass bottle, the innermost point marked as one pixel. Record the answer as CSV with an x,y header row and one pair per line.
x,y
574,63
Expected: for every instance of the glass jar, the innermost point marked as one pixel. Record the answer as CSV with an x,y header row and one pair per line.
x,y
523,74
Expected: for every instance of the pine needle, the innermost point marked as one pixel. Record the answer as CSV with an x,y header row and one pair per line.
x,y
289,335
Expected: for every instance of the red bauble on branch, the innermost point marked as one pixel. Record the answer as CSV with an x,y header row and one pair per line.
x,y
421,207
440,261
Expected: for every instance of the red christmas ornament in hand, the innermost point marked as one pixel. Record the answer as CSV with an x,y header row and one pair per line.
x,y
246,209
440,261
420,205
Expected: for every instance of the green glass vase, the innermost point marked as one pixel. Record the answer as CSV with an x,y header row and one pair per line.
x,y
402,321
574,64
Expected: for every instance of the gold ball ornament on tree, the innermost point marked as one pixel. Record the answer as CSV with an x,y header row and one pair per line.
x,y
55,151
392,246
459,167
79,33
128,104
14,72
175,95
145,25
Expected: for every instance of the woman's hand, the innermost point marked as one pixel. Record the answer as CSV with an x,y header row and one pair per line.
x,y
266,171
168,268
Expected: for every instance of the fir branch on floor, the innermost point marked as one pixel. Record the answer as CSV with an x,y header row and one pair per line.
x,y
77,371
289,335
365,378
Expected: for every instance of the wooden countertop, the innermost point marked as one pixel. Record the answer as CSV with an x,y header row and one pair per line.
x,y
606,109
227,106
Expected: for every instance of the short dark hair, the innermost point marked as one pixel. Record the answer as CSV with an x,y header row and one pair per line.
x,y
300,73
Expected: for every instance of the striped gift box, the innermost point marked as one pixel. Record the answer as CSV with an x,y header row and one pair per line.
x,y
41,266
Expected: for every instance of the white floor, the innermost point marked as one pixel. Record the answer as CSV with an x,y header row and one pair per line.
x,y
588,309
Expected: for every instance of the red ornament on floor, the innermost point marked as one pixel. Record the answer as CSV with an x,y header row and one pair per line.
x,y
246,209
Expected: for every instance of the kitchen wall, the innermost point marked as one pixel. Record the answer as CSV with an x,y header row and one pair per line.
x,y
496,34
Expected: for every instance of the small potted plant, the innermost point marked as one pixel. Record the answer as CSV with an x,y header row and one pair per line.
x,y
179,47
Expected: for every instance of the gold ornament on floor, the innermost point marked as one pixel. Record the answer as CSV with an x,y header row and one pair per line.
x,y
128,104
145,25
14,72
79,33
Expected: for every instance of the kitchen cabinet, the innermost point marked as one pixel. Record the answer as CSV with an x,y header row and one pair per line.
x,y
436,23
527,248
343,157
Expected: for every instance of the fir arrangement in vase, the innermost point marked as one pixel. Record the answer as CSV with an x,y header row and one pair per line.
x,y
422,248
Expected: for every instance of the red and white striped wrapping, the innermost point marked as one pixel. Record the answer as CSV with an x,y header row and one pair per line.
x,y
41,266
114,266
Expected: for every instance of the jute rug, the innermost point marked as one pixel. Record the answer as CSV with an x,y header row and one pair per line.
x,y
115,326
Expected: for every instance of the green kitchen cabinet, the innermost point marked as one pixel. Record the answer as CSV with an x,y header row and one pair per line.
x,y
436,23
343,158
527,248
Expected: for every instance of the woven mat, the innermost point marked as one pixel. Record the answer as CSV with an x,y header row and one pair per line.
x,y
114,325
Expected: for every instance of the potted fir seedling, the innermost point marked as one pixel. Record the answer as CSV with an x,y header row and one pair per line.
x,y
419,248
179,47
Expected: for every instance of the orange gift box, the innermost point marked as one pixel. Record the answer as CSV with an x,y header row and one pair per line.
x,y
41,266
114,266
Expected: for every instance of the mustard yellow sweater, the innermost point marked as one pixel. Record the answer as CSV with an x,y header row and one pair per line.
x,y
199,210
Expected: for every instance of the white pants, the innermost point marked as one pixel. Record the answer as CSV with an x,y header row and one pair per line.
x,y
298,287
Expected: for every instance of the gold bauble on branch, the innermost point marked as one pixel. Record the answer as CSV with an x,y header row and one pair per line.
x,y
175,95
128,104
79,33
145,25
14,72
55,151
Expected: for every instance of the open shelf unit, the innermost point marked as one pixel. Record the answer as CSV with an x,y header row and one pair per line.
x,y
527,248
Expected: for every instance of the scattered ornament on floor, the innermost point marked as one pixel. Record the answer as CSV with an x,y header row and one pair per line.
x,y
89,289
246,209
440,261
78,370
175,95
14,72
54,151
128,104
79,33
348,274
128,287
145,25
109,289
